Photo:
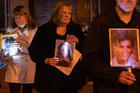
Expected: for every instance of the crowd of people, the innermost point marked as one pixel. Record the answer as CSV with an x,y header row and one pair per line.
x,y
35,61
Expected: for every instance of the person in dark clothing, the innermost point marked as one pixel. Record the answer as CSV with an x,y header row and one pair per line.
x,y
48,78
97,51
0,84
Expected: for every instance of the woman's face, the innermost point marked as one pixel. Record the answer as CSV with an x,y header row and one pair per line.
x,y
64,15
124,50
20,20
127,5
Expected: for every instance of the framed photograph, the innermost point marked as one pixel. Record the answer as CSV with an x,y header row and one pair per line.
x,y
124,46
64,51
8,46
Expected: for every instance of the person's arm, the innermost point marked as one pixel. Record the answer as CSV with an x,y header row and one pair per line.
x,y
78,36
94,57
41,48
36,47
81,37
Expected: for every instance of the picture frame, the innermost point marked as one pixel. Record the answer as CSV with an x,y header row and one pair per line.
x,y
64,51
7,44
124,46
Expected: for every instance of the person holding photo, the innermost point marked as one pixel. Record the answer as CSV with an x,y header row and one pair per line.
x,y
48,78
20,68
109,79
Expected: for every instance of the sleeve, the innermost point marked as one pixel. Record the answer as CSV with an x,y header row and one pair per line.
x,y
78,74
79,34
36,48
94,59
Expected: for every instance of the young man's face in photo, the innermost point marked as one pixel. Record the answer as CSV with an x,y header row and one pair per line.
x,y
124,50
127,5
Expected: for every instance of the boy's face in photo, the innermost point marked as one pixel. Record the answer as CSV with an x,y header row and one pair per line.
x,y
126,5
124,50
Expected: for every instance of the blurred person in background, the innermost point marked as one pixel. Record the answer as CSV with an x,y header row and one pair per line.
x,y
97,50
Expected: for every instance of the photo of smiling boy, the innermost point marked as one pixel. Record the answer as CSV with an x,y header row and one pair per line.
x,y
124,47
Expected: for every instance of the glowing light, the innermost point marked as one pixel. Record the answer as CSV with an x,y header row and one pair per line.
x,y
12,51
65,49
129,69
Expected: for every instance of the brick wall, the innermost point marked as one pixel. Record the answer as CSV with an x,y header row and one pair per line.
x,y
14,3
44,9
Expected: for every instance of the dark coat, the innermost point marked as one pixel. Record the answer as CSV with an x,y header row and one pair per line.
x,y
48,79
97,55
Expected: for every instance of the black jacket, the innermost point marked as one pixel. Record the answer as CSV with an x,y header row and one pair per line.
x,y
48,79
97,54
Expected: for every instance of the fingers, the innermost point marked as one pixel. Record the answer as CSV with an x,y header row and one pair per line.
x,y
137,64
52,61
18,40
127,78
6,58
131,76
72,38
16,45
128,82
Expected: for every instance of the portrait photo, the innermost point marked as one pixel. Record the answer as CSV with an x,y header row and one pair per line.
x,y
124,46
64,51
7,45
